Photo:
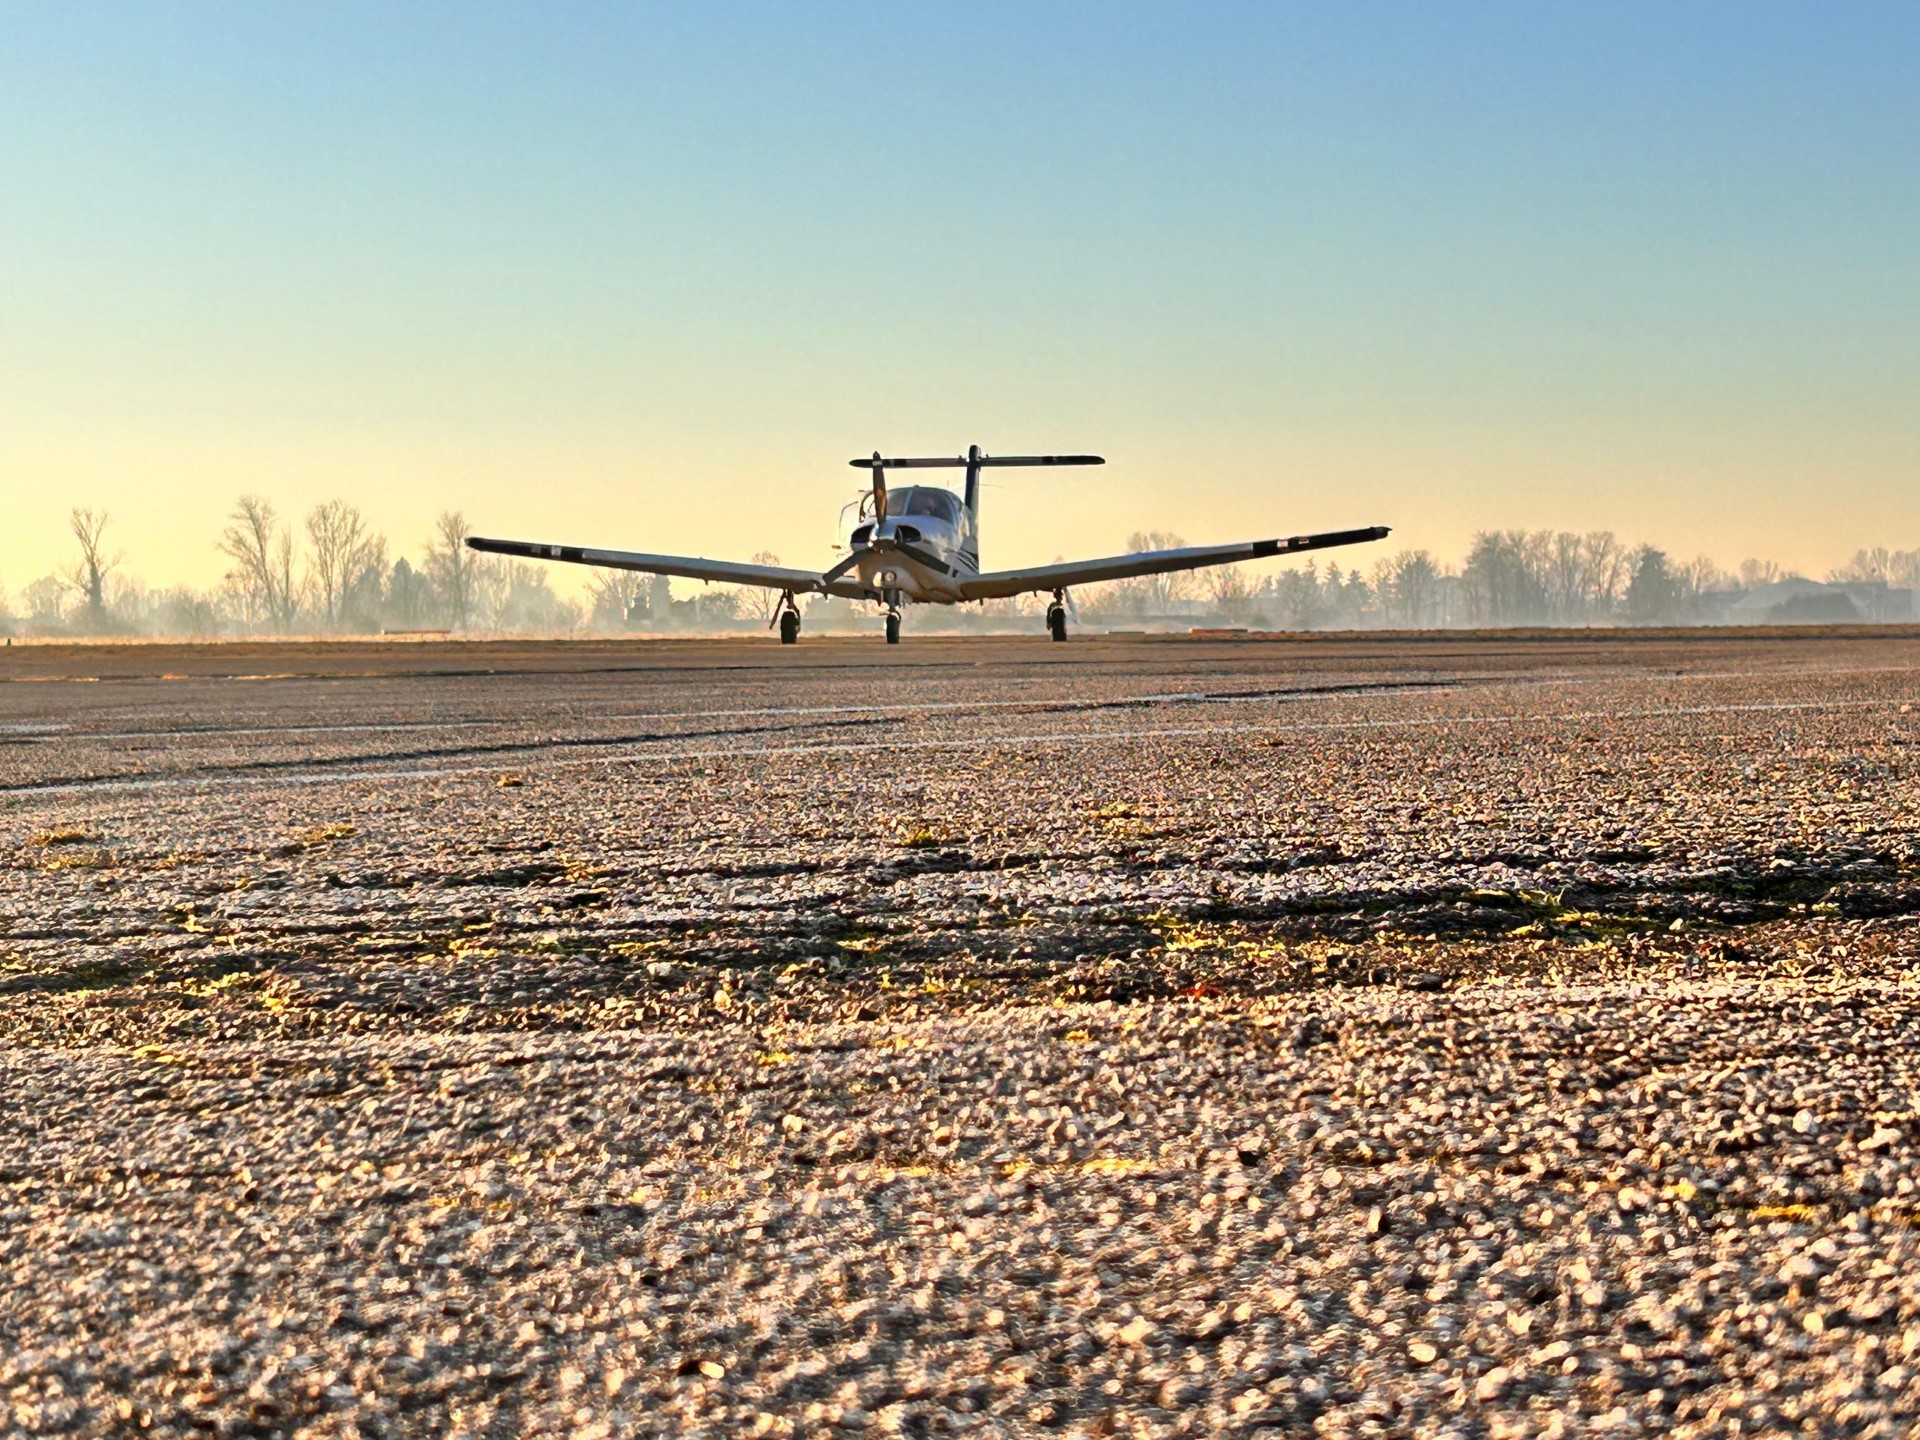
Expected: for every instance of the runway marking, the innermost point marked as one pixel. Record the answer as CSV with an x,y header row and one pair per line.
x,y
375,771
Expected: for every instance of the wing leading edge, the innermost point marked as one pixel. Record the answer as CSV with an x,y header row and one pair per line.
x,y
689,567
998,583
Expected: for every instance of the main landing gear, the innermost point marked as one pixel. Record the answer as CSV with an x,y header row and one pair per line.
x,y
893,627
787,617
1057,616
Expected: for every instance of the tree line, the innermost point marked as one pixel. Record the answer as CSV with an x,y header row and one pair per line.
x,y
331,574
1508,578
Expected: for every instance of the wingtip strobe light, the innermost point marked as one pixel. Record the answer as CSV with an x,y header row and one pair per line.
x,y
920,544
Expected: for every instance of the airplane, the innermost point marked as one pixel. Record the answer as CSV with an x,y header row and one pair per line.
x,y
921,545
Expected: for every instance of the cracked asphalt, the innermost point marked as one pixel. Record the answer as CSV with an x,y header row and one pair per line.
x,y
1474,1035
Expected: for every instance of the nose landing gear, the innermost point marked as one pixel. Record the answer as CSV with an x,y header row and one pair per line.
x,y
892,598
1057,616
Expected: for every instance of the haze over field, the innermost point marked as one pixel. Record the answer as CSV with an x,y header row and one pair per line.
x,y
649,278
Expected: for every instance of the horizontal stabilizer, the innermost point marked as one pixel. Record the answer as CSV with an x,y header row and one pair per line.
x,y
960,462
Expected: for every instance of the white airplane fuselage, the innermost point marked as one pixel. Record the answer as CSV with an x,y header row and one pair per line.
x,y
921,555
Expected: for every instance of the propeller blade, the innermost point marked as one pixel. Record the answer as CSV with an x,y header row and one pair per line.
x,y
879,488
853,558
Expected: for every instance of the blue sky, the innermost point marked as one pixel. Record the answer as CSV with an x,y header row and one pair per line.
x,y
648,276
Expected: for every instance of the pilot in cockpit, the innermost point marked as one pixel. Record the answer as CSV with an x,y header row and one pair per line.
x,y
936,504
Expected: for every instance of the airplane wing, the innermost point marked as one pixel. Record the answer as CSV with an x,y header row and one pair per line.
x,y
726,572
998,583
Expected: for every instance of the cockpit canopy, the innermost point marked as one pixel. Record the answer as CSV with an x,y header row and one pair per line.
x,y
909,503
926,500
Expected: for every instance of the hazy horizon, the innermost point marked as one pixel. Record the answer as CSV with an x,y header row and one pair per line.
x,y
649,279
575,581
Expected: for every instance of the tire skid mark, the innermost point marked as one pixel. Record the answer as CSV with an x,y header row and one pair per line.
x,y
1040,706
503,747
318,772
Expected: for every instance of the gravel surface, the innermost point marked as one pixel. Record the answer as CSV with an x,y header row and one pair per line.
x,y
1492,1037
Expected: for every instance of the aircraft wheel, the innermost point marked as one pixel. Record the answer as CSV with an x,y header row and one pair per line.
x,y
1057,621
893,629
789,628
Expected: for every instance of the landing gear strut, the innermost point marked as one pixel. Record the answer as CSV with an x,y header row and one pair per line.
x,y
1057,616
787,617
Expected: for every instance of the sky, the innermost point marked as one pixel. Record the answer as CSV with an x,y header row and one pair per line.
x,y
648,277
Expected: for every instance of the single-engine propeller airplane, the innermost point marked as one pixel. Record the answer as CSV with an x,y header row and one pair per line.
x,y
921,545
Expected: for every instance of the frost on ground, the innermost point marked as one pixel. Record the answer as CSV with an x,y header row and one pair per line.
x,y
1493,1038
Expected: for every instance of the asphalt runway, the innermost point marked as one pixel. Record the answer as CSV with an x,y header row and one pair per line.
x,y
1481,1035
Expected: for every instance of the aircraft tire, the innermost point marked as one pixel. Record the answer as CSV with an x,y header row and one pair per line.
x,y
789,628
1057,622
893,629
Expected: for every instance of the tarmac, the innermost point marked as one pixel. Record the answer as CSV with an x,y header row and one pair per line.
x,y
1480,1035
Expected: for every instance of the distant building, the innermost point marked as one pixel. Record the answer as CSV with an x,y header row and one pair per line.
x,y
1797,601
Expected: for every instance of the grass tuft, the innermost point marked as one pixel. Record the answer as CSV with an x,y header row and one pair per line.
x,y
64,836
82,860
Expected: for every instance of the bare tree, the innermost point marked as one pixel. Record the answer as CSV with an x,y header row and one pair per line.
x,y
1409,588
366,593
450,569
343,549
89,574
1888,567
1582,574
263,562
1606,570
1755,573
1157,593
522,599
1230,591
46,601
1505,577
760,602
616,595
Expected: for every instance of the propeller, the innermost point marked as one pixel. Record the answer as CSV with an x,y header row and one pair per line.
x,y
879,514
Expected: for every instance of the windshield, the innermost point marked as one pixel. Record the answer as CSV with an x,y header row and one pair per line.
x,y
926,500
